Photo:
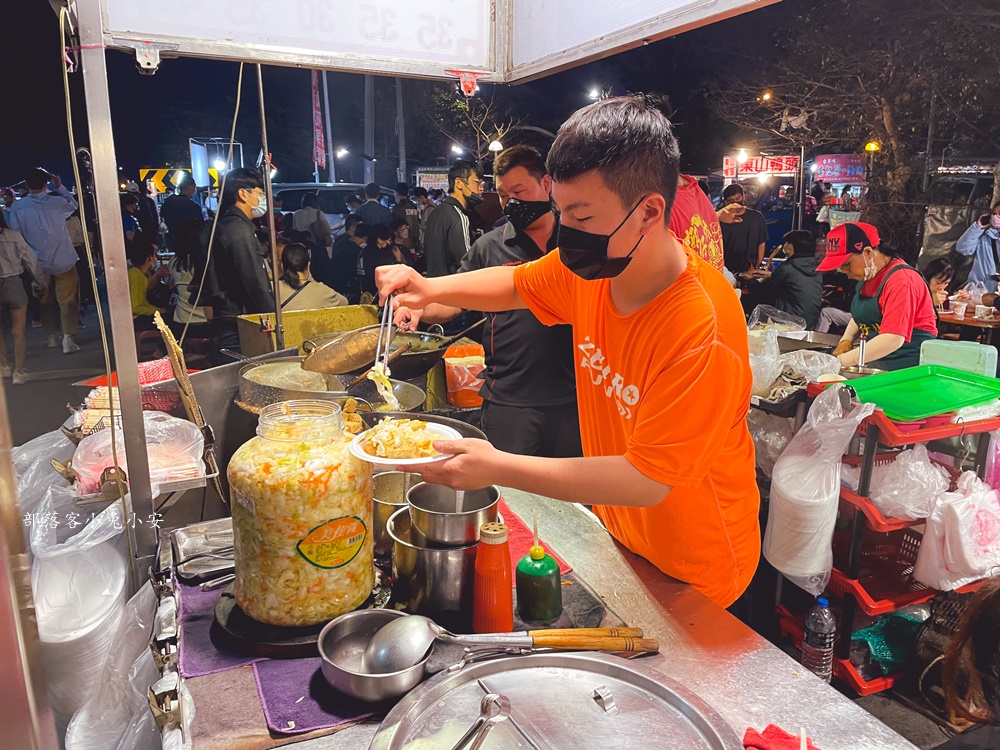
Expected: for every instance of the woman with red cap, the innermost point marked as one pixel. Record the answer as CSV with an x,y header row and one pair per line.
x,y
892,309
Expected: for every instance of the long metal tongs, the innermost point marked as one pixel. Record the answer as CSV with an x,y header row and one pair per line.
x,y
384,336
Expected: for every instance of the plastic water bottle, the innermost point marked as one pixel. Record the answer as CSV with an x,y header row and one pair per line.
x,y
818,639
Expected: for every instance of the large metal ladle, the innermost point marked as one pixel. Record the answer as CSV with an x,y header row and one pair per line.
x,y
406,640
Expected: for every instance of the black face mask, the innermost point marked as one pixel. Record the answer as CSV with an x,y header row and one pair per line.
x,y
586,254
473,199
523,214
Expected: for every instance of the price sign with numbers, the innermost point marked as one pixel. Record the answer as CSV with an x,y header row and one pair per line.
x,y
369,35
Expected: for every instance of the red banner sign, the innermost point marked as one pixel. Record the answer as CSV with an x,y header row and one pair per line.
x,y
319,147
756,165
840,167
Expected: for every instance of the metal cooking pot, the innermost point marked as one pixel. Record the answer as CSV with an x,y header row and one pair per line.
x,y
433,582
426,349
253,396
433,514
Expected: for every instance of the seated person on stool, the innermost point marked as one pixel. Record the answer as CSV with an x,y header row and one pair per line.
x,y
142,280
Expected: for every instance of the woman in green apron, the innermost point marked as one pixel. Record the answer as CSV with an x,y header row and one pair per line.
x,y
892,309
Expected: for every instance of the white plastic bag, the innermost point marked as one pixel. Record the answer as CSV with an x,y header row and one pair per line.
x,y
175,447
765,316
770,435
78,579
805,489
35,475
961,542
129,670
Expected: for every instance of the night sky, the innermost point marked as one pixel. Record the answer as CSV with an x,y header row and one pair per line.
x,y
154,116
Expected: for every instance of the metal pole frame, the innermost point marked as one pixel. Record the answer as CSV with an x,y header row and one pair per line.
x,y
102,145
329,130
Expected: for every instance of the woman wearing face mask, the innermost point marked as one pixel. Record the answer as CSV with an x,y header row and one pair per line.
x,y
982,240
892,308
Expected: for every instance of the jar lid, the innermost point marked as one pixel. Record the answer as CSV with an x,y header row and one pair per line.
x,y
492,532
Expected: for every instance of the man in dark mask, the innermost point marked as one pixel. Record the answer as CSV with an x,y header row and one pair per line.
x,y
529,391
446,239
662,362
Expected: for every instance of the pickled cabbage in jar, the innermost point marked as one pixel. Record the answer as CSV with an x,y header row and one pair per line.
x,y
302,517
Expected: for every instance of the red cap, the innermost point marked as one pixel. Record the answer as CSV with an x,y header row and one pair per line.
x,y
846,240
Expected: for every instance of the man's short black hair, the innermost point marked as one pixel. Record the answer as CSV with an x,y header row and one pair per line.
x,y
240,179
521,155
462,169
353,199
310,200
351,221
628,141
731,190
139,253
185,182
419,192
802,241
361,230
372,190
36,178
402,188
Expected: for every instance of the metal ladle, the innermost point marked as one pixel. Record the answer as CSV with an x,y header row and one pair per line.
x,y
406,640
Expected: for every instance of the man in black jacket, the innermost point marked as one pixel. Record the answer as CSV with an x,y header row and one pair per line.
x,y
446,239
795,286
178,209
238,262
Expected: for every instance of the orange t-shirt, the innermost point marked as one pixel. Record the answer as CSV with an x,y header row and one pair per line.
x,y
668,387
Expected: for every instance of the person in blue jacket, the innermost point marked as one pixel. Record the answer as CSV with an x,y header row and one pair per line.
x,y
982,240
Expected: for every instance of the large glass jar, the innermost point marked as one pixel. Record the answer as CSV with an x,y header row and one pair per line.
x,y
302,517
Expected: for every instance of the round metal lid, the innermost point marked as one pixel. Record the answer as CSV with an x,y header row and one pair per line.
x,y
558,700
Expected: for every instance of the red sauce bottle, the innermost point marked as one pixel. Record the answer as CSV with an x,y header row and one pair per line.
x,y
493,597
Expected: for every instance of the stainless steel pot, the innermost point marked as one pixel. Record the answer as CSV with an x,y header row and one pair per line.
x,y
433,512
433,582
341,645
389,495
253,396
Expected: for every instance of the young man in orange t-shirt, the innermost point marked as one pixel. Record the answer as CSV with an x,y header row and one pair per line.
x,y
663,375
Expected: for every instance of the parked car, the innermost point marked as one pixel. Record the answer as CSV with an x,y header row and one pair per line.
x,y
332,198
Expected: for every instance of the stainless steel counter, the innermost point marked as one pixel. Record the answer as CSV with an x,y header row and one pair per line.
x,y
745,678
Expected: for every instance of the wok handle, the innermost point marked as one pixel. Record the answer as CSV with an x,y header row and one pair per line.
x,y
593,632
457,336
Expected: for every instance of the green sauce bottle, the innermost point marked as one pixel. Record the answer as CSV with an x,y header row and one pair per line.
x,y
539,585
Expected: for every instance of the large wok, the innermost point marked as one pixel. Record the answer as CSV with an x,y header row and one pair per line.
x,y
426,349
253,396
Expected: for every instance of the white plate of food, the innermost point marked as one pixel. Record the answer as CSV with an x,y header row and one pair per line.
x,y
402,442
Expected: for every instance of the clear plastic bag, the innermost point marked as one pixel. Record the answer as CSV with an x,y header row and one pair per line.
x,y
129,670
35,475
770,435
78,579
975,290
805,491
961,542
909,487
175,447
765,316
811,364
765,360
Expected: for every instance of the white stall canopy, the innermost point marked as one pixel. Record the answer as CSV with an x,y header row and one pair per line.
x,y
508,40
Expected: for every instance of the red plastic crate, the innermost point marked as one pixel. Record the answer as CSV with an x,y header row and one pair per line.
x,y
876,520
791,627
845,671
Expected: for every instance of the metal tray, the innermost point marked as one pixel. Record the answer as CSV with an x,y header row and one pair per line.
x,y
552,703
200,539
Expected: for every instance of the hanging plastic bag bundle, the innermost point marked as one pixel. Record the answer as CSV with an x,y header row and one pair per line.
x,y
767,317
805,490
770,435
961,542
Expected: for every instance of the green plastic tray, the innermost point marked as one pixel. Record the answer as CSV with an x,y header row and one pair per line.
x,y
928,390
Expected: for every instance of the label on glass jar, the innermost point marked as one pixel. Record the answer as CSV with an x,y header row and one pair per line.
x,y
334,543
